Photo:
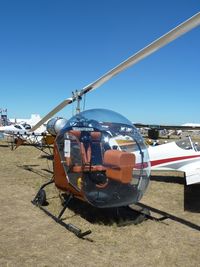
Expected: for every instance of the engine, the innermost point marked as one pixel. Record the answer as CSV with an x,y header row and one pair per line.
x,y
54,125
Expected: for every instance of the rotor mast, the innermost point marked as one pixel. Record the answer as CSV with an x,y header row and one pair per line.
x,y
76,96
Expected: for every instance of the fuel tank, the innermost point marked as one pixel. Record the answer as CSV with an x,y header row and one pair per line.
x,y
54,125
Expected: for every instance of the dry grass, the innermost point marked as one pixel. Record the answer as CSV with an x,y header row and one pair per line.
x,y
30,238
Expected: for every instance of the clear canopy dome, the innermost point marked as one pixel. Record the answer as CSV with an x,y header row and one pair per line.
x,y
119,163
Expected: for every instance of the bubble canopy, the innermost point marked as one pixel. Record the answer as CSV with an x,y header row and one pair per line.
x,y
97,118
119,169
102,115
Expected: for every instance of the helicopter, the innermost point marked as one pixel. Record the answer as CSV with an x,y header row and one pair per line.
x,y
99,155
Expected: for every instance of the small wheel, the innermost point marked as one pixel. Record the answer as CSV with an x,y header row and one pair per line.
x,y
41,198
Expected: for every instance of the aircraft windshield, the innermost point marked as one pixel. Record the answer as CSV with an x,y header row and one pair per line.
x,y
188,144
18,127
27,126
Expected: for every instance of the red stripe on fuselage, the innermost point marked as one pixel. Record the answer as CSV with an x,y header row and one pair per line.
x,y
170,160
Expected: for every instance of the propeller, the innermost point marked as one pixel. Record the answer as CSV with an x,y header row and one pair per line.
x,y
181,29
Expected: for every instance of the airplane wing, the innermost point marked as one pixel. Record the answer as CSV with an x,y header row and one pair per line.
x,y
192,173
179,156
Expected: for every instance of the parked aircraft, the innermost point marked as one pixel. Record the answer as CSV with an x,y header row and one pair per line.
x,y
20,130
155,129
182,155
191,124
23,126
32,120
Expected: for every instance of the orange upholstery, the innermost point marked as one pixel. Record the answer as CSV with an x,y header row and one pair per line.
x,y
119,165
77,134
86,168
77,168
96,136
86,154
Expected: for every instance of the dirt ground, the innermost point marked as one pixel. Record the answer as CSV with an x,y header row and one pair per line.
x,y
28,237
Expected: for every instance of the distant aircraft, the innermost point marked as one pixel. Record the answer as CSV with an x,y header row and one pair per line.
x,y
20,130
22,126
154,130
32,120
18,133
190,124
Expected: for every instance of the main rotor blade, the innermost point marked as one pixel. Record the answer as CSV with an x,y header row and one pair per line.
x,y
148,50
52,112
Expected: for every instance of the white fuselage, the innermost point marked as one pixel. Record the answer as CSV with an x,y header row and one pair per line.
x,y
171,156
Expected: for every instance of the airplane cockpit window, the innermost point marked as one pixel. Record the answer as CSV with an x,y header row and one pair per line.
x,y
18,127
188,144
27,126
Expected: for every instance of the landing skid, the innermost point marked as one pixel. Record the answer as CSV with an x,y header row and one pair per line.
x,y
123,216
146,213
40,201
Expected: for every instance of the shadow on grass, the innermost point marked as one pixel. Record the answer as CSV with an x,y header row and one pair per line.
x,y
191,192
171,217
32,168
4,145
120,216
192,198
168,179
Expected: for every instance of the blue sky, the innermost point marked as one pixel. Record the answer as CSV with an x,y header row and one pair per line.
x,y
49,48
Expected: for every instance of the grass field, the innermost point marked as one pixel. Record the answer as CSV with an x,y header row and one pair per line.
x,y
28,237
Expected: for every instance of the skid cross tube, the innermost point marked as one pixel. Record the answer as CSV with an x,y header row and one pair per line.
x,y
65,206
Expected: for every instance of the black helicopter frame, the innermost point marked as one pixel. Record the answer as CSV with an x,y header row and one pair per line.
x,y
40,201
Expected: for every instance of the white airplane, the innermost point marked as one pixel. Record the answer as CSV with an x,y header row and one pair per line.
x,y
43,135
23,126
154,130
32,121
21,130
190,124
182,155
